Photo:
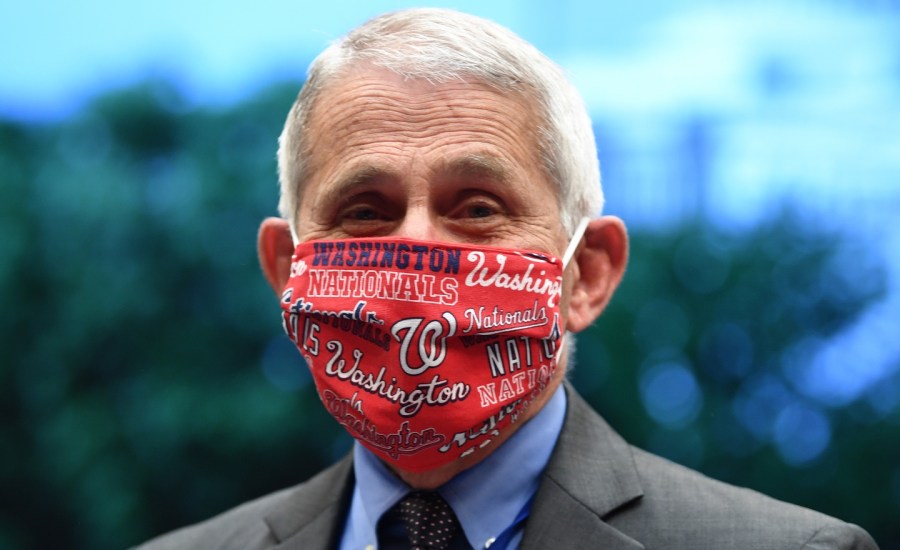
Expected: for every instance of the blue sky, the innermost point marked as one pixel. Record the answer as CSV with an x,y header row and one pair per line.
x,y
56,53
642,56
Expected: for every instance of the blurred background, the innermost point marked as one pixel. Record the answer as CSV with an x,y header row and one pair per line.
x,y
753,149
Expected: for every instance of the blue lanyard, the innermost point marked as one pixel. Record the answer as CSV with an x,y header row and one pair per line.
x,y
502,540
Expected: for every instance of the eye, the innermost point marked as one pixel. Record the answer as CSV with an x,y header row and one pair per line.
x,y
480,211
366,207
478,206
361,214
365,214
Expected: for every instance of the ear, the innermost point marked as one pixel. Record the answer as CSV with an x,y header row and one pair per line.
x,y
275,248
599,266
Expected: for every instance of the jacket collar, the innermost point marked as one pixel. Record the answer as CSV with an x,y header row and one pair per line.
x,y
590,476
312,516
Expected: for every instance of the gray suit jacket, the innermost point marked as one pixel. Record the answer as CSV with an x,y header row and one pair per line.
x,y
597,492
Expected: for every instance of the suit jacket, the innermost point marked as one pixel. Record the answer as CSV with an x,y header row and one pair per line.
x,y
597,492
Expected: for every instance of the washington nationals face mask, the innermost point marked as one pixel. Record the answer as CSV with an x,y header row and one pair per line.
x,y
425,351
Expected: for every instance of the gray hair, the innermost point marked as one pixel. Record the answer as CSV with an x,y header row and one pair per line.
x,y
441,46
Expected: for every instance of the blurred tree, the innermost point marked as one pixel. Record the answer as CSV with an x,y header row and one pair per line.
x,y
144,366
697,359
145,382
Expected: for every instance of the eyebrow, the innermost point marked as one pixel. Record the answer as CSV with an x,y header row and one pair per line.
x,y
477,166
471,167
359,177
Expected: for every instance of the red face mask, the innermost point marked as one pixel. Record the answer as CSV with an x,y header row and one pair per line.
x,y
424,351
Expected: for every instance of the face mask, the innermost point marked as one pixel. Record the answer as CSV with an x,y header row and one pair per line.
x,y
425,351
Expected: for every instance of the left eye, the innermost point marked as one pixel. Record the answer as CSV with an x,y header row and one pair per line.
x,y
480,211
362,214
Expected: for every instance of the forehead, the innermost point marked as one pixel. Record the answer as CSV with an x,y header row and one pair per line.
x,y
373,115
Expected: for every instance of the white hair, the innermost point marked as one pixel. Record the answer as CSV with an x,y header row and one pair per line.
x,y
439,46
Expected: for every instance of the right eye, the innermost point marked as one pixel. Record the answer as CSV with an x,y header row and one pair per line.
x,y
364,216
361,213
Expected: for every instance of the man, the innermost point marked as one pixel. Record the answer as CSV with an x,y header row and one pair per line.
x,y
434,254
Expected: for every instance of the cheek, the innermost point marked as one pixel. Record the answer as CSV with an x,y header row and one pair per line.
x,y
309,229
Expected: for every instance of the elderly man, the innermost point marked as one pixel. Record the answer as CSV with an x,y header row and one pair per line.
x,y
434,256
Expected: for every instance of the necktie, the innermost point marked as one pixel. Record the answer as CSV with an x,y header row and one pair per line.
x,y
430,522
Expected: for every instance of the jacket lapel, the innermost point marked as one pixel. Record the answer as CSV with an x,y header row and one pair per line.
x,y
313,514
590,475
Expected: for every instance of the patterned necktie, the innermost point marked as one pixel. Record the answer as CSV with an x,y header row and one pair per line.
x,y
430,522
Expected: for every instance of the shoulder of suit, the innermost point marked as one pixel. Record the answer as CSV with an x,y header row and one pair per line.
x,y
660,504
686,503
246,526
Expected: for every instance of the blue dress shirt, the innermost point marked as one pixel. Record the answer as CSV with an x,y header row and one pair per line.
x,y
487,498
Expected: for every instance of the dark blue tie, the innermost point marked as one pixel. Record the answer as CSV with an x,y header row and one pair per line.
x,y
429,521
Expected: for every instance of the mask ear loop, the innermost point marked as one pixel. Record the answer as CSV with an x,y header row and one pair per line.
x,y
567,256
576,239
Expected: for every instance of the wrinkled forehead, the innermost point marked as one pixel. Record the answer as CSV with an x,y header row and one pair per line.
x,y
366,103
417,80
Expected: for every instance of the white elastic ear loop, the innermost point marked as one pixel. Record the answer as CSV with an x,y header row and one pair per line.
x,y
570,251
576,238
562,346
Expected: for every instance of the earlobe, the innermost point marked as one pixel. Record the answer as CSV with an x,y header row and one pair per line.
x,y
275,248
601,262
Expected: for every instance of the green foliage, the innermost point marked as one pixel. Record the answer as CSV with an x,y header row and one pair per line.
x,y
139,333
145,382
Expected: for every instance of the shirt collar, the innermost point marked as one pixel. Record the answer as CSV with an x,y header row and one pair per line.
x,y
486,498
